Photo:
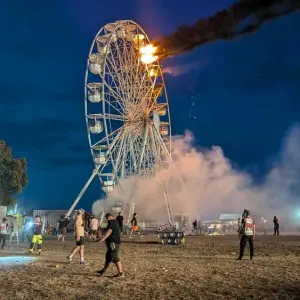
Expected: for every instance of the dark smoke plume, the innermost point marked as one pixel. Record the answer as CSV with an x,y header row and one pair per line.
x,y
244,16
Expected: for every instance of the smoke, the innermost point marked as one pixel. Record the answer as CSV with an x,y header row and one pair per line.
x,y
178,70
214,186
242,17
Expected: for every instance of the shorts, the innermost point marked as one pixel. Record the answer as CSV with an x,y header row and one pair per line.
x,y
62,231
112,255
37,239
93,232
135,228
80,242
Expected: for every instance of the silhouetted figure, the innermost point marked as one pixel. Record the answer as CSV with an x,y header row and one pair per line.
x,y
276,226
195,227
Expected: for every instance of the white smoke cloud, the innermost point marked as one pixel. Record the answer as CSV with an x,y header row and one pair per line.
x,y
178,70
214,186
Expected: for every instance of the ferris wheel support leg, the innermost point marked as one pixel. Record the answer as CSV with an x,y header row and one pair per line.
x,y
94,173
171,221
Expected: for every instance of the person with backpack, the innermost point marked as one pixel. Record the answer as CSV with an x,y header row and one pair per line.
x,y
247,235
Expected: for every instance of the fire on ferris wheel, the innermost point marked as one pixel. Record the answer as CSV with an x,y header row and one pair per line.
x,y
126,109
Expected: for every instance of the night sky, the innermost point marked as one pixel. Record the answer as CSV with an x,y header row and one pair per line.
x,y
245,92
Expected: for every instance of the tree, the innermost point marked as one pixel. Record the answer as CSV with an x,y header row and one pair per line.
x,y
13,175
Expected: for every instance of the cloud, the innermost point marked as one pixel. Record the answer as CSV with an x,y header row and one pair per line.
x,y
214,186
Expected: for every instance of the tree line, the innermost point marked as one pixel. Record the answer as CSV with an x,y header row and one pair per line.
x,y
13,175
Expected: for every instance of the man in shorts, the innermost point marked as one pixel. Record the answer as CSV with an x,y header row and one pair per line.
x,y
62,225
112,239
79,236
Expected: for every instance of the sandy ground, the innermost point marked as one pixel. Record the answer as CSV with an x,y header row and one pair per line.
x,y
204,268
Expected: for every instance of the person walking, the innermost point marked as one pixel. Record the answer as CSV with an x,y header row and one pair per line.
x,y
94,224
62,225
195,223
248,234
112,238
37,235
276,226
120,220
3,232
79,237
134,226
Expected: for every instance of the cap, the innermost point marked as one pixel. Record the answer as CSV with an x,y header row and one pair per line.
x,y
108,215
81,211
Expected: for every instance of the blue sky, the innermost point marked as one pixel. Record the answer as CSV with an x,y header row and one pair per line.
x,y
246,91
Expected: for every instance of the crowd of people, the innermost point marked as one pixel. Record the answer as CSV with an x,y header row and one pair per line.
x,y
32,231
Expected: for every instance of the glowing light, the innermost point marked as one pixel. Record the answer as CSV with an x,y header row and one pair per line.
x,y
147,54
9,261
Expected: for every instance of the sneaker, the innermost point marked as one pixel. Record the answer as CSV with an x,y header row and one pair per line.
x,y
70,258
84,262
240,258
101,272
119,275
130,237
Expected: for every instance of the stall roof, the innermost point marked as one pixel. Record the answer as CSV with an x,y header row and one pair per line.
x,y
229,217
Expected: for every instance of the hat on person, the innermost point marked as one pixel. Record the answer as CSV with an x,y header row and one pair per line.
x,y
108,215
81,211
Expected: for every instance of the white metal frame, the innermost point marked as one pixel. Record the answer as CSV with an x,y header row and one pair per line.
x,y
129,109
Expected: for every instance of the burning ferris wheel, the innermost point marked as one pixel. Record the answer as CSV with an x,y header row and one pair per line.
x,y
126,108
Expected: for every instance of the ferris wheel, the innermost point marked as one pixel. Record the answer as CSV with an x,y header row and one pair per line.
x,y
126,108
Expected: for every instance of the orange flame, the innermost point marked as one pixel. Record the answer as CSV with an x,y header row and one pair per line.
x,y
148,54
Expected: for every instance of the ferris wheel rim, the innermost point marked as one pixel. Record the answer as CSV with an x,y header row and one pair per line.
x,y
104,117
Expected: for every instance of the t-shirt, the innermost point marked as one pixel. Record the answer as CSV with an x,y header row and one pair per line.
x,y
79,226
37,229
3,228
94,224
120,219
247,226
63,223
115,235
134,221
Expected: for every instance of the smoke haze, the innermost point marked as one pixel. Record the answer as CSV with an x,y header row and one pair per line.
x,y
242,17
214,186
178,70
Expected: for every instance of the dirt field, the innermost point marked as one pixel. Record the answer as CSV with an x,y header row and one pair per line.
x,y
204,268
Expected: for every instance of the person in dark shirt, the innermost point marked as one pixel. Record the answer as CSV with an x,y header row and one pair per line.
x,y
195,223
62,225
276,226
120,220
134,226
37,235
112,239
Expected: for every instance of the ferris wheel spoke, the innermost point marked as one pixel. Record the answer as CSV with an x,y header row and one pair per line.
x,y
108,116
110,136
